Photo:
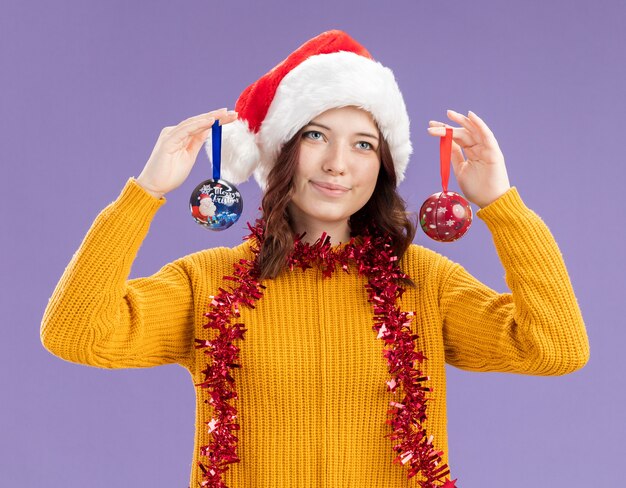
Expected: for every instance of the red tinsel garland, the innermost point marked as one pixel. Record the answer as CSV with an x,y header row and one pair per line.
x,y
374,258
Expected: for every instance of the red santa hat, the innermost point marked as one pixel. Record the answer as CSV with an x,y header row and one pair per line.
x,y
331,70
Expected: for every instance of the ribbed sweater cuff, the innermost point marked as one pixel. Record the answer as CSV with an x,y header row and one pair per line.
x,y
137,203
505,210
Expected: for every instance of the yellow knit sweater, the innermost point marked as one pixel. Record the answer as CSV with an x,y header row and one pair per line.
x,y
313,398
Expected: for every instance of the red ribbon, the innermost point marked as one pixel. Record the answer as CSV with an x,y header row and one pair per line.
x,y
445,151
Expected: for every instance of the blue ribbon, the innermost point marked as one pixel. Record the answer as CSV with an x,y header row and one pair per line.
x,y
216,143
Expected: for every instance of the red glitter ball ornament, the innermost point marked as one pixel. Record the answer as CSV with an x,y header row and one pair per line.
x,y
445,216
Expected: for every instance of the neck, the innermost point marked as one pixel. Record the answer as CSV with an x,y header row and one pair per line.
x,y
339,232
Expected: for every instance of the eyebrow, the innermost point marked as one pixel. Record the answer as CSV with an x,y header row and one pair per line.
x,y
366,134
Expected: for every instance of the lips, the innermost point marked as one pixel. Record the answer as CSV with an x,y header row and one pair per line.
x,y
329,188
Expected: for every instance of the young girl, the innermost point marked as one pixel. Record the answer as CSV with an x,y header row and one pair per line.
x,y
318,345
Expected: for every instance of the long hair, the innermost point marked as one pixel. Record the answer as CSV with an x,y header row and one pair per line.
x,y
385,210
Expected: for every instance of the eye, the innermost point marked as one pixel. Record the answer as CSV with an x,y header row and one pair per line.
x,y
367,145
311,133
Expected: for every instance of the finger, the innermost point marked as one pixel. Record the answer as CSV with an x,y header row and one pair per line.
x,y
482,126
457,155
436,123
200,135
213,113
460,135
181,132
227,118
202,117
192,122
223,117
457,158
167,129
463,121
201,126
197,141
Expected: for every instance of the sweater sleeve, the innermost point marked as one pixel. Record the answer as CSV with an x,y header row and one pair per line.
x,y
537,329
97,317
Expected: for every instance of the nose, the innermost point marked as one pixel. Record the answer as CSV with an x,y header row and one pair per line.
x,y
336,159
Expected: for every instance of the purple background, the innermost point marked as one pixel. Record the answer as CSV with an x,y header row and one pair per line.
x,y
86,88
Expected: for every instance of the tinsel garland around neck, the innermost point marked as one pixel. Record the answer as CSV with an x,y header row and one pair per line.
x,y
372,255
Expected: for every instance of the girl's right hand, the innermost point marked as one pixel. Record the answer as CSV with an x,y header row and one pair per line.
x,y
176,151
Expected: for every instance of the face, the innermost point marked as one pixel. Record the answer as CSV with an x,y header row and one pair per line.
x,y
337,169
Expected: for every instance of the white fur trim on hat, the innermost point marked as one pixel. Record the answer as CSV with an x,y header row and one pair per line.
x,y
240,154
326,81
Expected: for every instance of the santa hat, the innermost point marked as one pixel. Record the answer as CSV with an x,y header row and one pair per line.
x,y
331,70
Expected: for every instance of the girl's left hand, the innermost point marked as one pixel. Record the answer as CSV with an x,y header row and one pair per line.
x,y
482,177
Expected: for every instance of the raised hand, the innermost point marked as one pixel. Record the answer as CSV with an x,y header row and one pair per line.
x,y
482,177
176,151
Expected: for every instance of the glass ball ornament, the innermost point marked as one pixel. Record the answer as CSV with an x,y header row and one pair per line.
x,y
445,216
216,204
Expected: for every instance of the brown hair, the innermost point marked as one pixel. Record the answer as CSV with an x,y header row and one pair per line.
x,y
385,210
